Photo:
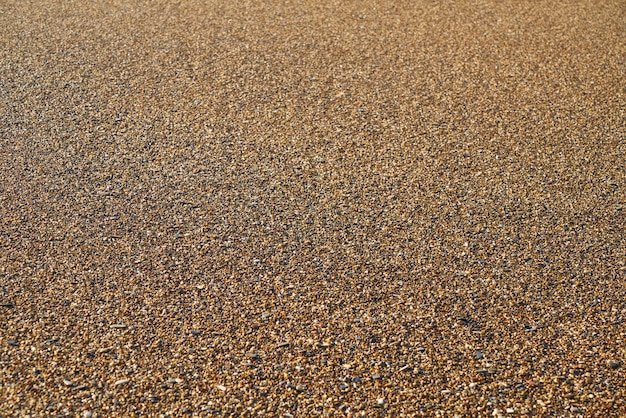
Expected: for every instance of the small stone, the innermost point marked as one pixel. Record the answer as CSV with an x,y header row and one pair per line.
x,y
222,388
614,364
281,345
7,305
265,315
446,392
576,410
12,343
356,379
472,385
67,382
380,402
488,371
175,380
119,326
121,382
478,355
510,410
87,414
195,332
376,377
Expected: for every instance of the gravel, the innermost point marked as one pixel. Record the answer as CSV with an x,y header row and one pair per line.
x,y
258,202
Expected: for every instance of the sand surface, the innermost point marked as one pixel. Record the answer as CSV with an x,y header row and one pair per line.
x,y
312,208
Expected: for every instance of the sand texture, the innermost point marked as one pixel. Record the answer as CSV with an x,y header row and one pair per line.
x,y
312,208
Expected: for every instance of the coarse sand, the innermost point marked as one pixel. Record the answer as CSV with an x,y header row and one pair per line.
x,y
312,208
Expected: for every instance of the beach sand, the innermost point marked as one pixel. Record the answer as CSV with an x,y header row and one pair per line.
x,y
325,208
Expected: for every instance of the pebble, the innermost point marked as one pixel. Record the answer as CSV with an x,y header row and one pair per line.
x,y
614,364
121,382
297,388
221,387
87,414
195,332
12,343
119,326
479,355
406,368
282,345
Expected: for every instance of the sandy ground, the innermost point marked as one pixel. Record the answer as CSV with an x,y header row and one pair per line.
x,y
312,208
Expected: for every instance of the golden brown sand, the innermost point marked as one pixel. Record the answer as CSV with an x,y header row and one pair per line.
x,y
312,208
